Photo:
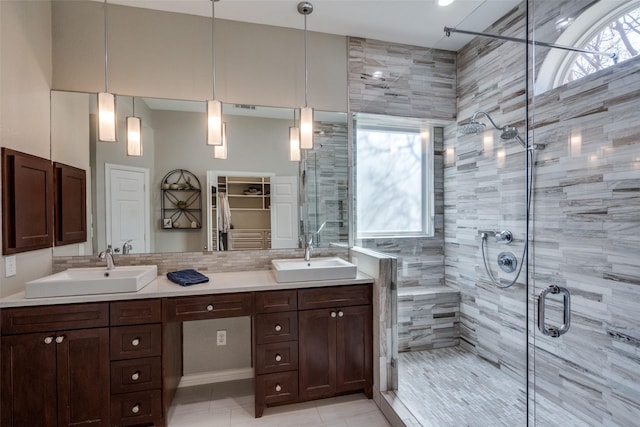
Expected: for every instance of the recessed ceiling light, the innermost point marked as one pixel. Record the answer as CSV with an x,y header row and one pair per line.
x,y
445,2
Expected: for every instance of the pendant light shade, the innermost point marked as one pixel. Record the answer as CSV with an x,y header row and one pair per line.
x,y
134,132
214,122
107,117
306,113
306,128
106,101
220,151
294,144
134,136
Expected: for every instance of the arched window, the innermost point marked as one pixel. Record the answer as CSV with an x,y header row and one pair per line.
x,y
622,35
607,26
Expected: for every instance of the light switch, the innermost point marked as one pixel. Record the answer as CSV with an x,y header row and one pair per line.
x,y
10,266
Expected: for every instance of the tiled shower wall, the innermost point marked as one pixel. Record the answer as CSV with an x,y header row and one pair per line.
x,y
326,178
409,81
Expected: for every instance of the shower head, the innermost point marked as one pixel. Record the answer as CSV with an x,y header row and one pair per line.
x,y
509,132
472,127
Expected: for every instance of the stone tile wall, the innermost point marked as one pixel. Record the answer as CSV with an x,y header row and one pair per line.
x,y
409,81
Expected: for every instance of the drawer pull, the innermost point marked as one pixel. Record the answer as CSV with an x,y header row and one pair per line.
x,y
59,339
210,307
333,314
135,342
278,358
278,388
48,340
278,328
135,376
136,408
340,313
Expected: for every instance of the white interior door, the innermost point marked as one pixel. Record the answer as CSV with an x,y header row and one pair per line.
x,y
127,207
284,212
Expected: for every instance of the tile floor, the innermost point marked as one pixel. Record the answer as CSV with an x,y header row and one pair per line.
x,y
454,387
231,404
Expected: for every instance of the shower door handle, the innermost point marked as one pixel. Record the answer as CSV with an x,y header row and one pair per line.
x,y
553,331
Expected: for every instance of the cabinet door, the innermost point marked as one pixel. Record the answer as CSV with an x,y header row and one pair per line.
x,y
29,380
317,352
354,347
83,377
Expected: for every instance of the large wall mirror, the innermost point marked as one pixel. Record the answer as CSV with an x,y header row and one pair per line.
x,y
131,198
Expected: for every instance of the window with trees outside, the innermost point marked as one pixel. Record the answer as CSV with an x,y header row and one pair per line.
x,y
620,35
394,176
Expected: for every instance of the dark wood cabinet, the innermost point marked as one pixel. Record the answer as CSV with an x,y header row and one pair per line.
x,y
119,363
70,214
57,378
335,343
27,201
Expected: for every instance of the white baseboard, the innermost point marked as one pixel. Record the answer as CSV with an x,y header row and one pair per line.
x,y
215,377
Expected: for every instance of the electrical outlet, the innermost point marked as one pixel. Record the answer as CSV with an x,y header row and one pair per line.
x,y
221,338
10,266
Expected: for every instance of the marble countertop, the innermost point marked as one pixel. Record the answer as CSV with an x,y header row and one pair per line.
x,y
219,283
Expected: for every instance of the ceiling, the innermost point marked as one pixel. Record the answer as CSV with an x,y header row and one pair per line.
x,y
412,22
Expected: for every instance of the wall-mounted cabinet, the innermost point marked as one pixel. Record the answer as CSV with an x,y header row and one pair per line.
x,y
181,201
70,204
27,201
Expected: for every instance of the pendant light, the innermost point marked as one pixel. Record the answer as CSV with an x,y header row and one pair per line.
x,y
220,151
134,133
106,101
214,107
294,141
306,113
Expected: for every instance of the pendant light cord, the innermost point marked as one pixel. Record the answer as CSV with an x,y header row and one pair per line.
x,y
106,48
305,61
213,61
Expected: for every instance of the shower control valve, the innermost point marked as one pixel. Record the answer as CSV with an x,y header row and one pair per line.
x,y
504,236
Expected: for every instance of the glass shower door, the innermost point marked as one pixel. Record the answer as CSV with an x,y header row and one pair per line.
x,y
584,277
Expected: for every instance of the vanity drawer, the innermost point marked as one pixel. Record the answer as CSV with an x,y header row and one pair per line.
x,y
247,234
130,342
276,327
335,296
202,307
136,375
277,388
136,408
54,317
136,312
272,301
246,244
276,357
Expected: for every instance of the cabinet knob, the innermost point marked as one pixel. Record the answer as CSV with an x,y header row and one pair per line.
x,y
333,314
136,408
210,307
278,358
48,340
278,328
135,376
340,313
59,339
278,388
135,342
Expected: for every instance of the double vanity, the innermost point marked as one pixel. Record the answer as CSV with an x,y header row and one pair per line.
x,y
116,358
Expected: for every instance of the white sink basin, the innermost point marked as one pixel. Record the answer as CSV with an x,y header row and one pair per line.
x,y
95,280
299,270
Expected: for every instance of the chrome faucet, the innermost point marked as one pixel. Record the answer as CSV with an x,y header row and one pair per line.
x,y
108,255
308,247
126,247
308,243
